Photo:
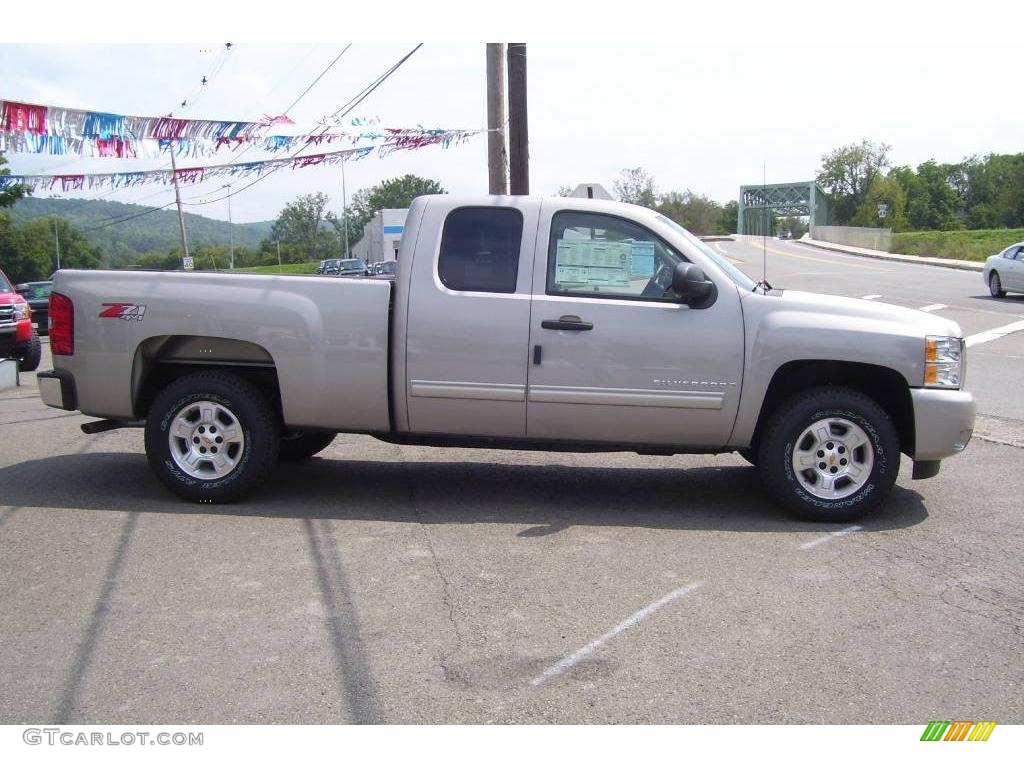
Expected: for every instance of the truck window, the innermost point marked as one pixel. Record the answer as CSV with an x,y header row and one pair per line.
x,y
480,249
604,256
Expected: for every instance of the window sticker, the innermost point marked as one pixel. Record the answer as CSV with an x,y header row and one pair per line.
x,y
593,263
642,259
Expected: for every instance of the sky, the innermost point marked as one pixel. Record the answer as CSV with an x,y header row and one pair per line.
x,y
705,100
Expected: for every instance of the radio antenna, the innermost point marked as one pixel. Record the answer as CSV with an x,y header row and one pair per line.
x,y
767,221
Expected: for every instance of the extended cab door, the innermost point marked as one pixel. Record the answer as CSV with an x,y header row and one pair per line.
x,y
615,355
469,318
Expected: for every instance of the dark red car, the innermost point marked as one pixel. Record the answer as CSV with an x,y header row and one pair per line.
x,y
18,339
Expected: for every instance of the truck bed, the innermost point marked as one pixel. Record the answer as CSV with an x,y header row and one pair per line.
x,y
327,339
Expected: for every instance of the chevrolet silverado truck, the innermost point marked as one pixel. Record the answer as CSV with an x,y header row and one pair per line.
x,y
515,322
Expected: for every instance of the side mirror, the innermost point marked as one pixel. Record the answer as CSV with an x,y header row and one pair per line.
x,y
692,285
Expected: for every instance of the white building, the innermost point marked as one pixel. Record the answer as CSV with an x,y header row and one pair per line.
x,y
381,236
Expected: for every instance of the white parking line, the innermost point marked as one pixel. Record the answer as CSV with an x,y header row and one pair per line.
x,y
995,333
570,661
933,307
872,296
834,534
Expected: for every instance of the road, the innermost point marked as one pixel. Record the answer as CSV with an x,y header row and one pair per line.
x,y
379,583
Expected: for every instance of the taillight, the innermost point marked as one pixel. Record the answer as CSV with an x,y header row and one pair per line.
x,y
62,325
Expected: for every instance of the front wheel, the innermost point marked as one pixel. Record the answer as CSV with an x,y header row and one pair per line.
x,y
995,286
830,454
211,437
32,354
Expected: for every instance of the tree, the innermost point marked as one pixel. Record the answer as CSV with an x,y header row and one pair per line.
x,y
847,174
728,222
29,252
300,225
885,194
392,193
636,186
701,215
12,193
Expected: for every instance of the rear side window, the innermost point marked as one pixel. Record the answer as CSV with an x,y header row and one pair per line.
x,y
480,249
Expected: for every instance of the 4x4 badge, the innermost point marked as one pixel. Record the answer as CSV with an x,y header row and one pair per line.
x,y
131,312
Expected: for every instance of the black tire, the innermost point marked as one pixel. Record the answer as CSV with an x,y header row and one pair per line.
x,y
995,286
29,357
298,446
839,409
749,455
240,409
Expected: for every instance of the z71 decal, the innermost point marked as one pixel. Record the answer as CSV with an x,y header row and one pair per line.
x,y
131,312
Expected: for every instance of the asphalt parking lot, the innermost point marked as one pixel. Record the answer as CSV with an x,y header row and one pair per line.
x,y
389,584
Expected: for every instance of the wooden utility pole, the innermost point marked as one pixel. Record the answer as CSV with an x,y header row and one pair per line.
x,y
497,159
186,259
518,138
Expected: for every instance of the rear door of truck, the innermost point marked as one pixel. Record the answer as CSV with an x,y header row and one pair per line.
x,y
469,318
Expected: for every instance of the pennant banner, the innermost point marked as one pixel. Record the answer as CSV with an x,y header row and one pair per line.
x,y
37,129
198,174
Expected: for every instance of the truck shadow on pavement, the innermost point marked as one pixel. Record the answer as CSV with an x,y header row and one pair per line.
x,y
546,498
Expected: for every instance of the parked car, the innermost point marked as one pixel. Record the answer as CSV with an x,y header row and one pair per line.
x,y
384,270
516,322
328,267
352,268
1005,271
38,297
18,339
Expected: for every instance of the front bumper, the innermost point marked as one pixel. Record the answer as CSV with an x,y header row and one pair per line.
x,y
57,389
943,422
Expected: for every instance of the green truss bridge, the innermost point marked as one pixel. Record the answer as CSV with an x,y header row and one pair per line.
x,y
761,203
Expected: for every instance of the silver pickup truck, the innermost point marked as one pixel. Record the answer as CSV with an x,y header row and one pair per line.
x,y
515,322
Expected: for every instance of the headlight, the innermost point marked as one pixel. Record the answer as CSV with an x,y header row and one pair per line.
x,y
944,362
22,312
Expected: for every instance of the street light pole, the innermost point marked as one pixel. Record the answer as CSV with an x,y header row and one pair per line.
x,y
231,228
344,208
56,240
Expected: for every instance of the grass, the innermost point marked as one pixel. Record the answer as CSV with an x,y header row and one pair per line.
x,y
971,244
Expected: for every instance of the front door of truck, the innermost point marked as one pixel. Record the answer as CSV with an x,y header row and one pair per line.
x,y
469,320
615,355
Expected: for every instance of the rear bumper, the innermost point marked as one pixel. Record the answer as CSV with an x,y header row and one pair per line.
x,y
943,422
57,389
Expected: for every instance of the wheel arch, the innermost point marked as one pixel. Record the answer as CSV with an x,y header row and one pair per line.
x,y
885,386
160,360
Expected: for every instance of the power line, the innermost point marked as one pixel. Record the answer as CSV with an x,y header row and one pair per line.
x,y
118,220
345,110
128,218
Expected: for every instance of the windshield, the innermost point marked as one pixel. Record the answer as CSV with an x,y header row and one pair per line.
x,y
34,292
353,264
4,285
388,267
727,266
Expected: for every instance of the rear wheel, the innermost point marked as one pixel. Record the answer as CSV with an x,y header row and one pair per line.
x,y
995,286
29,357
297,446
211,437
829,454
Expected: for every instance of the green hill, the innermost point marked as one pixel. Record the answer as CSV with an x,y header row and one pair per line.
x,y
122,241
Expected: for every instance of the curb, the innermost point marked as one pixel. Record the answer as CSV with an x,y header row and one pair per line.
x,y
928,261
